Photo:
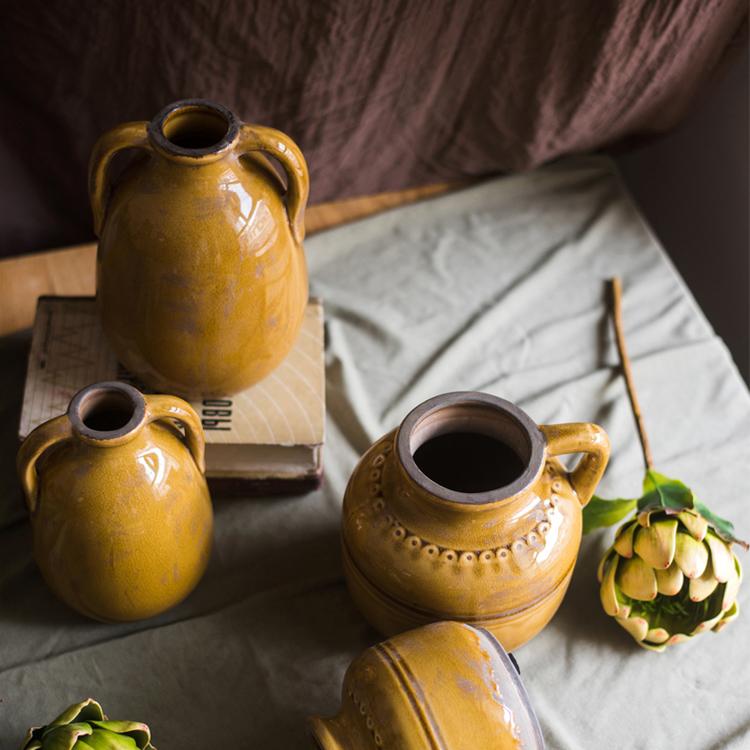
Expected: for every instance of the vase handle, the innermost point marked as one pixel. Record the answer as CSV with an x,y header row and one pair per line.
x,y
36,443
173,408
285,150
127,135
580,437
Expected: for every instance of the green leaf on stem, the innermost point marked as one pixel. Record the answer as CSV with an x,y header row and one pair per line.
x,y
662,492
659,493
724,528
599,512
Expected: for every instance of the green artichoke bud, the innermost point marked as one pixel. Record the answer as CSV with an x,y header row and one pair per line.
x,y
85,727
669,576
671,573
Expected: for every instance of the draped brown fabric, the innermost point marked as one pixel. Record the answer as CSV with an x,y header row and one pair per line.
x,y
380,95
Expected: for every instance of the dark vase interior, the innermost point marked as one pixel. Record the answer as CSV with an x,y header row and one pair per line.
x,y
468,461
107,411
195,129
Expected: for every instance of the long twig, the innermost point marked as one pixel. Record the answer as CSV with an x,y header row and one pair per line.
x,y
627,370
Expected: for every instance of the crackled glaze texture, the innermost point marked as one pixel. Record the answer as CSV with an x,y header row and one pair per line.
x,y
201,274
415,553
121,518
445,686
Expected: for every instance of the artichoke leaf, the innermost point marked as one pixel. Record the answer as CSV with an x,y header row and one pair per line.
x,y
608,592
137,731
659,647
87,710
103,739
657,635
636,626
637,580
669,581
727,617
733,585
704,585
678,638
694,523
702,627
690,555
65,737
644,518
624,540
656,543
721,557
603,565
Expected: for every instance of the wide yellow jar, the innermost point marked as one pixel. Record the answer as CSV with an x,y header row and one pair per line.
x,y
120,512
465,513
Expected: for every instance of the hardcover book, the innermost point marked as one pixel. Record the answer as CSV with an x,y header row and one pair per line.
x,y
267,439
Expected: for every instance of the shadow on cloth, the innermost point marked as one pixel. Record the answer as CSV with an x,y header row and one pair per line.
x,y
581,615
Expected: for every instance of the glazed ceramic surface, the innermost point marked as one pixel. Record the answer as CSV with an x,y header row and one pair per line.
x,y
415,551
120,512
201,274
445,686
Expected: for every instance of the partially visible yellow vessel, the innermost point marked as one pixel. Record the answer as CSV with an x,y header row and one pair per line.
x,y
445,686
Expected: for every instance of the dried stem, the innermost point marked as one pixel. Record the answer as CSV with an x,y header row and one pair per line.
x,y
627,371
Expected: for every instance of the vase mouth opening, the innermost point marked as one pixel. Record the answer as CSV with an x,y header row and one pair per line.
x,y
470,448
104,412
194,129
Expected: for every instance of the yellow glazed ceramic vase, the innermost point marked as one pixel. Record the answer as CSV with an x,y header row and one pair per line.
x,y
201,274
465,513
443,686
120,511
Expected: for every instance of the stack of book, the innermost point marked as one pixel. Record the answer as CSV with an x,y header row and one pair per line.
x,y
265,440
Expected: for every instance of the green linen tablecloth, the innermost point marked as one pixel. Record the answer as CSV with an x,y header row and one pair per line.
x,y
499,288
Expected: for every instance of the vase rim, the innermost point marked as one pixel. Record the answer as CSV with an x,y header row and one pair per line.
x,y
215,146
126,402
504,410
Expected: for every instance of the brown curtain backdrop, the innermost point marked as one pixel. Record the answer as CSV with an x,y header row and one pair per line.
x,y
380,95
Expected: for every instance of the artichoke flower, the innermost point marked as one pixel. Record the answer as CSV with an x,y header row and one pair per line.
x,y
671,573
85,727
668,578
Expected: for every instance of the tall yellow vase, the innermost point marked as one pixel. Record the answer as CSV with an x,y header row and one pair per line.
x,y
201,274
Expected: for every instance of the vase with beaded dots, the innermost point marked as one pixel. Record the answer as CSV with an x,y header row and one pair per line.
x,y
465,513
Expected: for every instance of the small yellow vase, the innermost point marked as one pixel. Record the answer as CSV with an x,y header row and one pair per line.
x,y
201,274
443,686
120,511
464,513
